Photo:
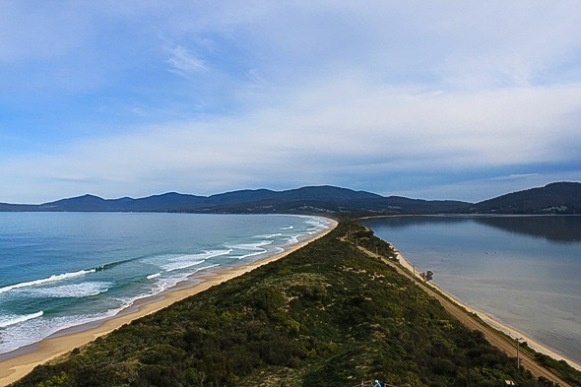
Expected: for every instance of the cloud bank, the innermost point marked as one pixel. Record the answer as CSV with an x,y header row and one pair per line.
x,y
466,100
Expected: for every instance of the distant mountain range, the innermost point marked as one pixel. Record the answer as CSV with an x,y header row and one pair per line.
x,y
562,198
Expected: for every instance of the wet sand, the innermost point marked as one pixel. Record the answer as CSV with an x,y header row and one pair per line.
x,y
25,359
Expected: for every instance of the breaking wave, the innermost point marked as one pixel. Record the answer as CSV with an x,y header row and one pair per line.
x,y
6,321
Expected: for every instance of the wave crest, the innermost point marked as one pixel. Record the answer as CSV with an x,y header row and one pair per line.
x,y
6,321
84,289
51,279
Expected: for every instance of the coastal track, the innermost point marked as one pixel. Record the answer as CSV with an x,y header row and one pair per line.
x,y
494,337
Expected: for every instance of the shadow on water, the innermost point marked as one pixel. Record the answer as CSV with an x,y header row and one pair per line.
x,y
554,228
562,229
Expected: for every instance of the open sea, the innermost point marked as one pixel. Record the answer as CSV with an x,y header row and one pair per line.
x,y
523,271
61,270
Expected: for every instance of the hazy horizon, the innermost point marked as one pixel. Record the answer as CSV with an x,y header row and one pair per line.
x,y
242,189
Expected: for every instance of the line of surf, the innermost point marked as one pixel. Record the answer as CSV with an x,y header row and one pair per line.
x,y
53,278
19,319
62,277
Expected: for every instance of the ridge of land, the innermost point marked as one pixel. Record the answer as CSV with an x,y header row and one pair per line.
x,y
554,198
330,313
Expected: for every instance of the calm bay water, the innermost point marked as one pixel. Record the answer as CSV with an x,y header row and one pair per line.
x,y
523,271
59,270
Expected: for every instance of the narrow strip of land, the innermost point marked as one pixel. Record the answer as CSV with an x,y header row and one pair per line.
x,y
15,368
495,338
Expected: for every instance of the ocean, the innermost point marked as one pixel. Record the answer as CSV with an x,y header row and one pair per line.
x,y
523,271
62,270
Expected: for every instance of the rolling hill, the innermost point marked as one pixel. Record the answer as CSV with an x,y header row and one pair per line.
x,y
313,199
554,198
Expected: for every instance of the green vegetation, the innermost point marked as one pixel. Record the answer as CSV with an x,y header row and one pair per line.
x,y
558,367
327,315
554,198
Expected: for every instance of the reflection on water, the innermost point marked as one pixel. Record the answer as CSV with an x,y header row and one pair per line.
x,y
522,270
553,228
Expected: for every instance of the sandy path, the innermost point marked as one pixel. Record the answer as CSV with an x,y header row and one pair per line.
x,y
514,334
462,313
16,367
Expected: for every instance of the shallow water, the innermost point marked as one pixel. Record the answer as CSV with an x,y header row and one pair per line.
x,y
521,270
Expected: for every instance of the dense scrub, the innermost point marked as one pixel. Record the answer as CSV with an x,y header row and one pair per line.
x,y
327,315
559,367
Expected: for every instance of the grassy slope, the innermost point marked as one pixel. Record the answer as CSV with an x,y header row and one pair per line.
x,y
326,315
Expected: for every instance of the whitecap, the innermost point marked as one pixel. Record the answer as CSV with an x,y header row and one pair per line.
x,y
179,265
292,239
251,254
84,289
269,236
189,260
8,320
251,246
33,330
51,279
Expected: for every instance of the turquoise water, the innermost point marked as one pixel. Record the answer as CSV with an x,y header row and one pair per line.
x,y
60,270
523,271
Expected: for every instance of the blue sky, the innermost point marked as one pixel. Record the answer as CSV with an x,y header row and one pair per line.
x,y
451,100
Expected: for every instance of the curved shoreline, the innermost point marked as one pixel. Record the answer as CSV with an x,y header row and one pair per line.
x,y
495,324
13,368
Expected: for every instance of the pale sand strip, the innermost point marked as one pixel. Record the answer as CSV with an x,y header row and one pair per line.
x,y
17,367
509,331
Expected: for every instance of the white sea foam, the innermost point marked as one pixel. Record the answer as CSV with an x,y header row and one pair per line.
x,y
152,276
292,239
175,262
251,246
34,329
189,260
318,224
182,264
269,236
51,279
164,283
6,321
84,289
251,254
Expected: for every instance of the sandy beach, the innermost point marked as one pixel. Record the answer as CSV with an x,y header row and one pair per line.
x,y
509,331
24,360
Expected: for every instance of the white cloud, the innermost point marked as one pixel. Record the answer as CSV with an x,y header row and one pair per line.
x,y
302,92
185,63
346,128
